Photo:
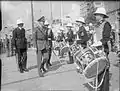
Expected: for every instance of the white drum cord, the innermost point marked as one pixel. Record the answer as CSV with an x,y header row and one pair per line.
x,y
97,86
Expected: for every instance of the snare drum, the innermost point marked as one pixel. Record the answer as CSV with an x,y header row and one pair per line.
x,y
89,59
64,48
74,48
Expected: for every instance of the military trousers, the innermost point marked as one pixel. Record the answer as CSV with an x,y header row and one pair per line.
x,y
70,55
42,58
22,58
50,53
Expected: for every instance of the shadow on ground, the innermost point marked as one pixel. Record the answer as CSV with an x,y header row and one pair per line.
x,y
36,77
32,67
56,65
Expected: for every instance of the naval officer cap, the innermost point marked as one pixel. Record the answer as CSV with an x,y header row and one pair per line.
x,y
41,19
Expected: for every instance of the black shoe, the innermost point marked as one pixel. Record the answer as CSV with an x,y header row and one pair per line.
x,y
25,69
21,71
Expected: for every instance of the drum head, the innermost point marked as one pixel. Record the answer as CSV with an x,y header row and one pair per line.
x,y
64,50
91,70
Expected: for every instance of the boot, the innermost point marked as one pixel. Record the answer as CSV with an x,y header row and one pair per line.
x,y
42,67
21,70
40,73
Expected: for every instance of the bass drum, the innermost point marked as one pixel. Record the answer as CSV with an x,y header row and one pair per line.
x,y
89,60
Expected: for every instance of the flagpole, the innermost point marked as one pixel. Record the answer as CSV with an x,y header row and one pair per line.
x,y
32,15
50,3
61,13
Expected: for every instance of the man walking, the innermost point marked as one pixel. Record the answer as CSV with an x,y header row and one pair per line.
x,y
70,40
20,43
41,44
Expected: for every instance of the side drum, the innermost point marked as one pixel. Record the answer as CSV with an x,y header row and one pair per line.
x,y
90,59
63,48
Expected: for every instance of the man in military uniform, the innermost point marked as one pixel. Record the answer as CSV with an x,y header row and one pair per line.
x,y
41,44
50,39
61,37
82,33
70,40
102,32
20,43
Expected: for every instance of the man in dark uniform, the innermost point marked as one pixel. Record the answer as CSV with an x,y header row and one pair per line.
x,y
50,39
102,31
70,40
61,38
41,44
82,33
20,43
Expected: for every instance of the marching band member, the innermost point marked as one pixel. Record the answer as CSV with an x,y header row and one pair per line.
x,y
61,38
20,43
102,34
82,33
50,39
70,40
41,44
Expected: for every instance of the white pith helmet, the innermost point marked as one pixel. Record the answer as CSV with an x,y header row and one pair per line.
x,y
69,25
80,19
19,21
101,10
61,28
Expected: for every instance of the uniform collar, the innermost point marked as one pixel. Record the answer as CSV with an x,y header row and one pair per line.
x,y
20,28
99,23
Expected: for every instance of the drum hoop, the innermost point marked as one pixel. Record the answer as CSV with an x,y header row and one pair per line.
x,y
96,60
84,52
